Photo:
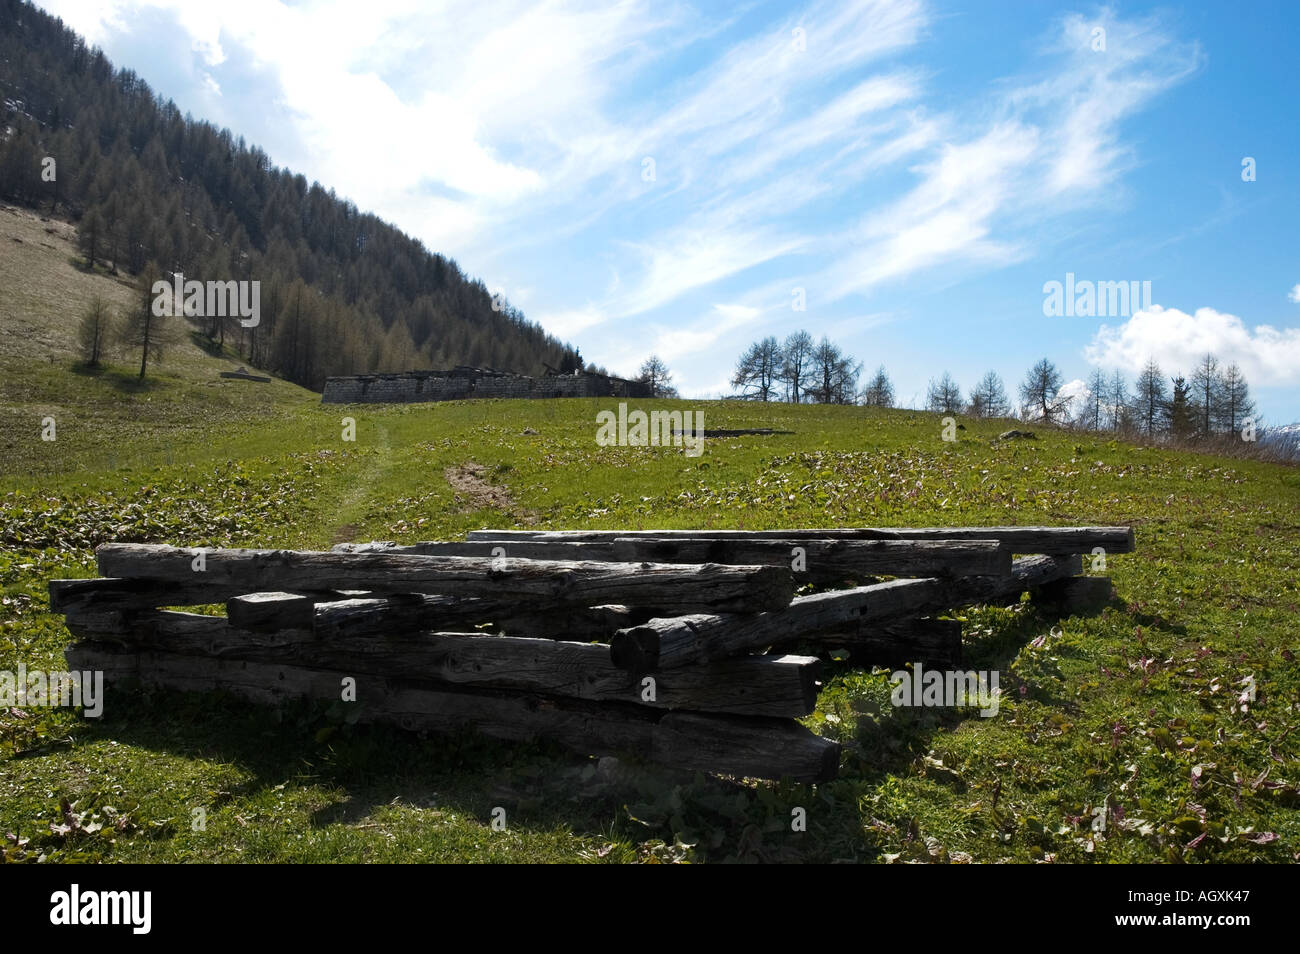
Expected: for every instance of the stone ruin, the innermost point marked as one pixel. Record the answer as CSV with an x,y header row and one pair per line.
x,y
463,383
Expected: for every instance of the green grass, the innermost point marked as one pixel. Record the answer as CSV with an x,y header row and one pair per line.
x,y
1132,712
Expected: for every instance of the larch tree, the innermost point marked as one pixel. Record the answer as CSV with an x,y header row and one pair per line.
x,y
758,369
879,391
1150,399
94,330
944,396
1040,394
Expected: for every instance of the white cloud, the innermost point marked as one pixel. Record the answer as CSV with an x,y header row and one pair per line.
x,y
1294,294
1177,340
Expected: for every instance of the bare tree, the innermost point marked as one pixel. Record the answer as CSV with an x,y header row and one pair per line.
x,y
879,392
989,397
1235,404
796,355
1040,394
832,375
93,331
656,374
944,396
140,328
1205,394
1090,418
1117,401
1151,398
758,368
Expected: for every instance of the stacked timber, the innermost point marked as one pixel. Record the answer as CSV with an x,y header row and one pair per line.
x,y
687,648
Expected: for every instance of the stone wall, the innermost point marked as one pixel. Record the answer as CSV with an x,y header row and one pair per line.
x,y
417,386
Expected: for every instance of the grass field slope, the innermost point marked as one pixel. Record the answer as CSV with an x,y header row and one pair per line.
x,y
1171,715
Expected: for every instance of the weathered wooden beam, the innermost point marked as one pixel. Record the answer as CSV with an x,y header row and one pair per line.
x,y
929,640
70,596
748,685
811,560
751,746
1078,594
666,643
539,582
277,610
1027,573
414,612
1020,539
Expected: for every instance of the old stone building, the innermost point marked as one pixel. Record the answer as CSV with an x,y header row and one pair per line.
x,y
461,383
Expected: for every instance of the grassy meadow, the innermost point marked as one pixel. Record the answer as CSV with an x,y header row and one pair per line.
x,y
1139,714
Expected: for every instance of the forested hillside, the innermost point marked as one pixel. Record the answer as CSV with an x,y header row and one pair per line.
x,y
342,291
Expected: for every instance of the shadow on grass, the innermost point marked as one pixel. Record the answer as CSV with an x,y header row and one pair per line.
x,y
543,787
120,379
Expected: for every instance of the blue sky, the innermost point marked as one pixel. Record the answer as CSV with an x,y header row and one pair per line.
x,y
660,177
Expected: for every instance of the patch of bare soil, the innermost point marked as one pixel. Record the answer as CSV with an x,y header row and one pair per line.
x,y
470,483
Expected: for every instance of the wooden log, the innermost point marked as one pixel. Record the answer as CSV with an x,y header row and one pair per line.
x,y
272,611
414,612
1027,573
728,745
1077,594
707,587
816,561
666,643
929,640
70,596
1020,539
749,685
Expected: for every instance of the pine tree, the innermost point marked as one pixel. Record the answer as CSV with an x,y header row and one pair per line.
x,y
1181,413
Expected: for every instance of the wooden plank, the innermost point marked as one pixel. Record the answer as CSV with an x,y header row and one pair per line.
x,y
539,583
411,613
728,745
1020,539
664,643
749,685
812,560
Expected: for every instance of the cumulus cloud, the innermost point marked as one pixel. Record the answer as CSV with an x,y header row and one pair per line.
x,y
1177,340
1295,294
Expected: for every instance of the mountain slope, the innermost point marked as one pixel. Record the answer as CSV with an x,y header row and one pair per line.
x,y
343,292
